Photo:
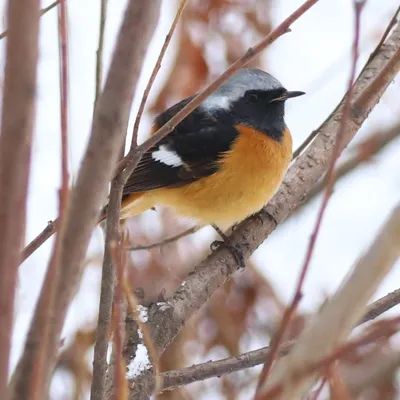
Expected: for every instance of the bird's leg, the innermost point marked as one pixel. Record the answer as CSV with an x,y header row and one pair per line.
x,y
237,254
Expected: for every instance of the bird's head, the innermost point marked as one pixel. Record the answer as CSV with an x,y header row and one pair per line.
x,y
254,98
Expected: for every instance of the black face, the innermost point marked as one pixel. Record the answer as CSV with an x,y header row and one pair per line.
x,y
263,110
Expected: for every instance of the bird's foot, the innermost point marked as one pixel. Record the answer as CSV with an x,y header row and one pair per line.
x,y
235,251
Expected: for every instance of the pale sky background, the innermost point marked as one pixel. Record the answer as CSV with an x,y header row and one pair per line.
x,y
314,57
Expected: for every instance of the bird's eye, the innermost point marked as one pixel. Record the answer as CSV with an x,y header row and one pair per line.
x,y
251,97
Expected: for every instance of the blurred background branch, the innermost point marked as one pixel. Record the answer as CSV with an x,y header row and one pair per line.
x,y
17,125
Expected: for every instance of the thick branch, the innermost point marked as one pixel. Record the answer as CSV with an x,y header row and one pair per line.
x,y
15,154
304,173
107,135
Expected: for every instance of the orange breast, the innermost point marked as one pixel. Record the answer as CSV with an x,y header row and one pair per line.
x,y
250,174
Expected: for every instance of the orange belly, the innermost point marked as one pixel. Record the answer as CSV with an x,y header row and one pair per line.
x,y
250,175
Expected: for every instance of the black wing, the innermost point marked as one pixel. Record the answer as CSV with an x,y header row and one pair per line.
x,y
191,151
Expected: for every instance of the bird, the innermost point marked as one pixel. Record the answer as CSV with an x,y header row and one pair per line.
x,y
224,161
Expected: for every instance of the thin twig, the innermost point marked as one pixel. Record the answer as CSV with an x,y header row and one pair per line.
x,y
169,240
49,7
47,232
17,123
210,369
99,52
290,311
154,73
42,12
120,382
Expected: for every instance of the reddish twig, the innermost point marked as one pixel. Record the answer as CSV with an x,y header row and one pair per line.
x,y
35,383
17,123
54,265
336,150
330,181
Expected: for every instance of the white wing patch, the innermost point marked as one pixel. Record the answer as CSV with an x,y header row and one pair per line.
x,y
166,156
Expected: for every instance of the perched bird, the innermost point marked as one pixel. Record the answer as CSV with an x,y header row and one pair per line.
x,y
224,161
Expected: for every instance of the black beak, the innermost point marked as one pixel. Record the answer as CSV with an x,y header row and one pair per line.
x,y
289,95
